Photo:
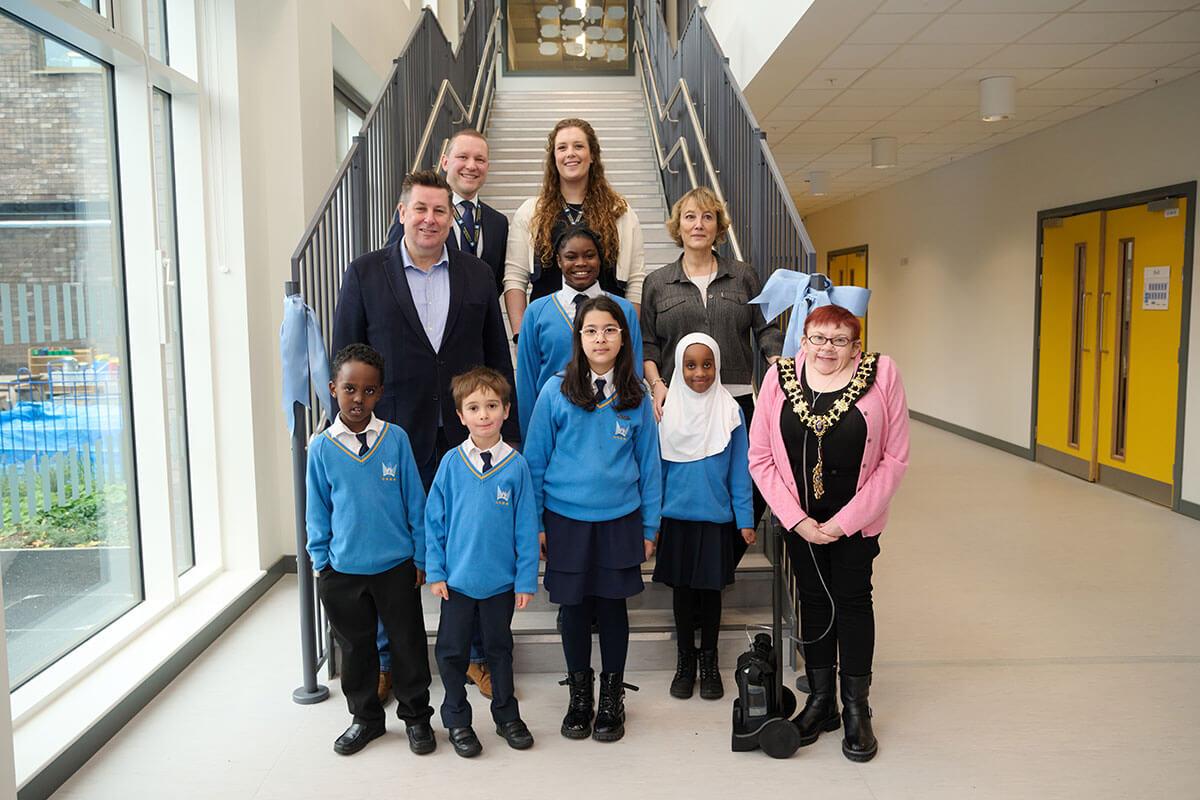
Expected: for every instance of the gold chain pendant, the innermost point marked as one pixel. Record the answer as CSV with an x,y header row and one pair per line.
x,y
818,473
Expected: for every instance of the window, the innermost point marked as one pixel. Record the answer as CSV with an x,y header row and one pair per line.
x,y
177,441
156,29
349,111
69,546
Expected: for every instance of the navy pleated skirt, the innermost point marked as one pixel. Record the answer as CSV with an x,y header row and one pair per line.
x,y
697,555
593,559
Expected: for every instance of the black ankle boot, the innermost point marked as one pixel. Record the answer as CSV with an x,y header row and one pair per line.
x,y
684,682
610,714
820,708
577,724
859,743
710,677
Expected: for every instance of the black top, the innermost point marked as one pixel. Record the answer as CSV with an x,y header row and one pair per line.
x,y
842,451
547,277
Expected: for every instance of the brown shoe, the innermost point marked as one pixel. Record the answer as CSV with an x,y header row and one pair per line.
x,y
385,686
478,674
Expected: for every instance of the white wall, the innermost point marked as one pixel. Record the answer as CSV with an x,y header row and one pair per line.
x,y
749,37
285,139
959,317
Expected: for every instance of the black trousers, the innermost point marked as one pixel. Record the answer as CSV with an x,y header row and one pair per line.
x,y
846,567
746,403
353,603
458,619
612,619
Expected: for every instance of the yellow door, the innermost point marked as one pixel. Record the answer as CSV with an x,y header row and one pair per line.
x,y
850,269
1141,317
1110,331
1067,333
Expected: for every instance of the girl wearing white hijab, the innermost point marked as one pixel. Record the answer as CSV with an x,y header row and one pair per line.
x,y
706,494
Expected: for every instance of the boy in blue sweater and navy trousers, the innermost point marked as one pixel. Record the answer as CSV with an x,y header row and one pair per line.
x,y
482,554
366,538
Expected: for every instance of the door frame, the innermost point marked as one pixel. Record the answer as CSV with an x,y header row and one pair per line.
x,y
862,248
1184,190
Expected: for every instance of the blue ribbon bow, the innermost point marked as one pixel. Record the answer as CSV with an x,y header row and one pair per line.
x,y
802,292
302,353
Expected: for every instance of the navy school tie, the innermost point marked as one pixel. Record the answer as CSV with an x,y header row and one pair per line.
x,y
600,390
362,443
487,460
579,300
469,234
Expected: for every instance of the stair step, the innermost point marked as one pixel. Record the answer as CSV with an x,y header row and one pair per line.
x,y
641,620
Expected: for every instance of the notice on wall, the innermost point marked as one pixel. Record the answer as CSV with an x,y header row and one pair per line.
x,y
1156,288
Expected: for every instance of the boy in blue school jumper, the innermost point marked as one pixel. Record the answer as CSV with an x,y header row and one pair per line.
x,y
366,539
482,555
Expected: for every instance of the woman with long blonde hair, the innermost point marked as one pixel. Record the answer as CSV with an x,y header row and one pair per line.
x,y
574,191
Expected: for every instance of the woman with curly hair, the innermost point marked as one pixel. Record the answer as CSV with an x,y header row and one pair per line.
x,y
574,191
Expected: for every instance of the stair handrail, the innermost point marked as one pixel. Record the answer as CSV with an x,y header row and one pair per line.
x,y
765,218
353,218
680,145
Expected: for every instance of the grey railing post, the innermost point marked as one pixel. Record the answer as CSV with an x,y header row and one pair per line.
x,y
310,691
359,203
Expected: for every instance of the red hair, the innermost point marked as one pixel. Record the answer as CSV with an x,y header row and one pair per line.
x,y
834,315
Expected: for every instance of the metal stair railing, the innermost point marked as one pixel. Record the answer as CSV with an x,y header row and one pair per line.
x,y
354,215
766,229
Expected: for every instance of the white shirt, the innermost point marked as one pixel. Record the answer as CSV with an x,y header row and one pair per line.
x,y
609,389
349,439
457,198
567,295
499,452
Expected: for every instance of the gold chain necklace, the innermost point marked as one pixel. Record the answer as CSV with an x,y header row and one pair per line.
x,y
820,424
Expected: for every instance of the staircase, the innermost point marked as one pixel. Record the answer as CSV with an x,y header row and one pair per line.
x,y
517,130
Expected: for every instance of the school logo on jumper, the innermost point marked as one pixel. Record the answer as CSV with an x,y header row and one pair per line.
x,y
389,471
502,496
621,431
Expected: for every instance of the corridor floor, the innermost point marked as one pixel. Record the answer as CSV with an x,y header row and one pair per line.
x,y
1038,637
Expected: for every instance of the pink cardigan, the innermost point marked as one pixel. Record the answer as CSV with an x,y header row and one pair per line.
x,y
885,455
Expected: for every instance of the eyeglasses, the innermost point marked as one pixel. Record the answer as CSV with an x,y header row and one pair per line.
x,y
817,340
596,334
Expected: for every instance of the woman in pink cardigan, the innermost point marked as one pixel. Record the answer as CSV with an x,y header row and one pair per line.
x,y
828,446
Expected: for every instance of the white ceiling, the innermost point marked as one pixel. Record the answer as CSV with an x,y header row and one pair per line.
x,y
910,69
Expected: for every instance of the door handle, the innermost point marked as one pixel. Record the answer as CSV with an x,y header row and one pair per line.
x,y
1103,296
1083,323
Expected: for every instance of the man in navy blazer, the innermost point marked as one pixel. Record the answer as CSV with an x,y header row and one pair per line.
x,y
432,312
479,229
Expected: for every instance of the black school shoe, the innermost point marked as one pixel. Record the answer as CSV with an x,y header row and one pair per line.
x,y
357,736
420,738
516,733
465,742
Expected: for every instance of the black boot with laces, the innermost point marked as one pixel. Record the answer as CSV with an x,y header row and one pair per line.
x,y
577,724
711,687
610,715
684,682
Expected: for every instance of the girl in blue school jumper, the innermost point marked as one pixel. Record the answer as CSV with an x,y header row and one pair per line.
x,y
593,453
706,493
544,345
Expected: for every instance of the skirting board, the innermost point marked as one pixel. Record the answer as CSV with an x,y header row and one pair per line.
x,y
57,772
975,436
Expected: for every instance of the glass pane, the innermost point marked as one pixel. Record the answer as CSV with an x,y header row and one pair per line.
x,y
570,36
164,179
156,29
69,554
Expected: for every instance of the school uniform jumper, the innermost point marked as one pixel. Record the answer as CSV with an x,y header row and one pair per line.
x,y
544,347
597,479
366,538
704,503
482,540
